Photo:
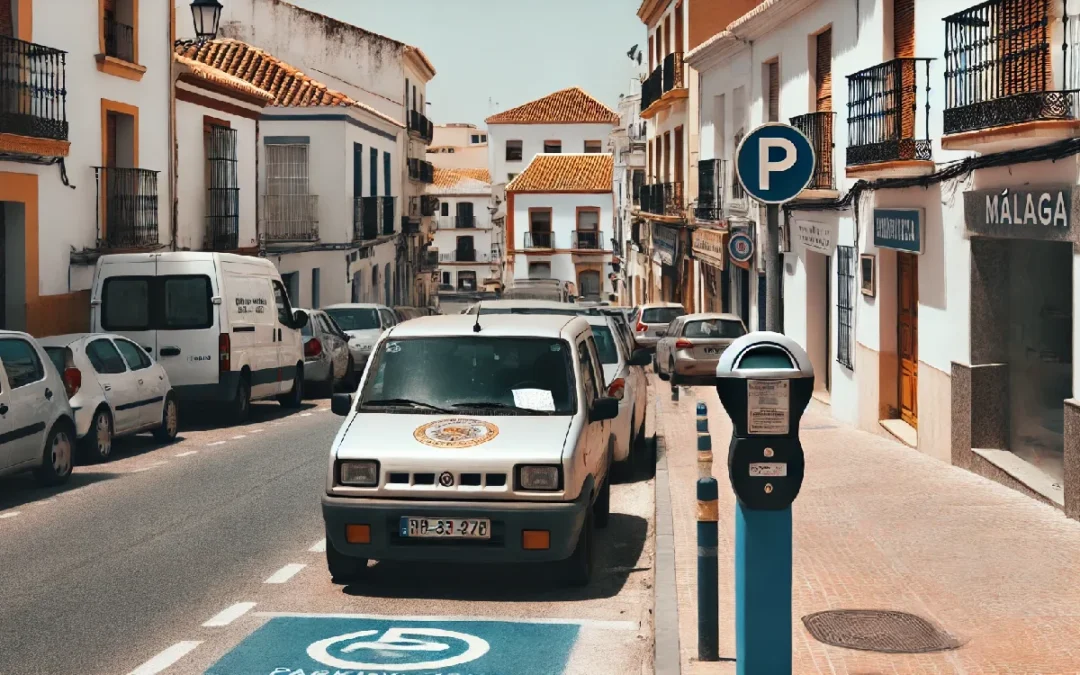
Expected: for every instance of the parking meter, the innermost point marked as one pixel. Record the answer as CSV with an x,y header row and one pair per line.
x,y
765,381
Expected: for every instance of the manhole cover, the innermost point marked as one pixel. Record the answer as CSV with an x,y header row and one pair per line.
x,y
878,631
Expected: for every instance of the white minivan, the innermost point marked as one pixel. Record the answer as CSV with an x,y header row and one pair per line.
x,y
220,324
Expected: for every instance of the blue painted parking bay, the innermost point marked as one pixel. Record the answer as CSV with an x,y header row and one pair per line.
x,y
340,645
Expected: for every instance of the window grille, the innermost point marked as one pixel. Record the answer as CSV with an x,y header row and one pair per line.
x,y
845,305
287,169
223,189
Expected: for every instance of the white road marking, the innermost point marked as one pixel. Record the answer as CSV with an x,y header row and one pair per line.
x,y
589,623
209,445
188,453
285,573
305,414
149,466
9,514
236,438
166,658
255,431
319,547
43,502
229,614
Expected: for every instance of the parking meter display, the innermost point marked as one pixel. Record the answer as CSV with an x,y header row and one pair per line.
x,y
767,407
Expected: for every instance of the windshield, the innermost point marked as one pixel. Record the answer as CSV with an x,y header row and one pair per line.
x,y
58,355
355,318
605,345
661,314
715,328
494,375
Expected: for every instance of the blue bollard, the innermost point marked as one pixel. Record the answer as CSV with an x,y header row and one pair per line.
x,y
707,574
704,455
762,591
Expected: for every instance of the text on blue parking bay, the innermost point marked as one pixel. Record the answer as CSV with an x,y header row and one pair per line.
x,y
362,646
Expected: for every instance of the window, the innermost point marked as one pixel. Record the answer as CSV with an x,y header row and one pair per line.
x,y
772,89
845,304
587,234
511,176
513,151
374,179
119,29
222,187
588,373
315,278
156,303
445,206
539,229
605,345
357,170
446,278
281,299
355,318
713,329
133,354
638,178
661,314
104,357
553,147
125,304
478,138
286,169
187,302
466,281
386,173
823,70
388,319
21,362
594,146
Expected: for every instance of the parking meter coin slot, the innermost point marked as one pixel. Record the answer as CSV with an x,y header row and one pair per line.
x,y
766,473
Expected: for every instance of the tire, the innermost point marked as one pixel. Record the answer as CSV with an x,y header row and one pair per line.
x,y
579,566
241,404
56,459
602,506
659,372
295,398
97,444
344,569
170,421
642,452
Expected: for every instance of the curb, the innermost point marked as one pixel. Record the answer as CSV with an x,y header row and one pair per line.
x,y
667,657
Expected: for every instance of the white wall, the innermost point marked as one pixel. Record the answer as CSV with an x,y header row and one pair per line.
x,y
563,223
460,157
532,137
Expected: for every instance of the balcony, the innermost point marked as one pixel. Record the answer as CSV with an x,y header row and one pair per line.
x,y
818,128
290,217
464,255
637,132
372,217
33,99
662,199
652,89
539,240
420,126
429,259
673,72
1011,78
421,171
127,208
586,240
889,119
710,202
665,84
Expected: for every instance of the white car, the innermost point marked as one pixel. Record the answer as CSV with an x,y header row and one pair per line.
x,y
37,427
363,322
624,380
115,389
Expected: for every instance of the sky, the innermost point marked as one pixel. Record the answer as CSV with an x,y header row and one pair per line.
x,y
492,55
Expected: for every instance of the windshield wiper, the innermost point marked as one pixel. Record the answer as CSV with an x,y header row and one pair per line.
x,y
497,405
403,402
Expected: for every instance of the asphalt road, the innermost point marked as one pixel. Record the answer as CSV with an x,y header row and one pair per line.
x,y
168,558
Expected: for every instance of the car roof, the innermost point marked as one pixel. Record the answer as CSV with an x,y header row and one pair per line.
x,y
726,316
355,305
527,302
601,320
656,305
69,338
492,325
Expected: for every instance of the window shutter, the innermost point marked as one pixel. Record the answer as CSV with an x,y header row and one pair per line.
x,y
774,91
7,20
904,29
824,71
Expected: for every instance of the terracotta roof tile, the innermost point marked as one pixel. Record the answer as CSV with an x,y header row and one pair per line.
x,y
211,74
565,173
567,106
287,85
460,181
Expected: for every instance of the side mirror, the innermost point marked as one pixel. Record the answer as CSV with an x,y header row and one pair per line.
x,y
605,408
640,357
341,404
300,318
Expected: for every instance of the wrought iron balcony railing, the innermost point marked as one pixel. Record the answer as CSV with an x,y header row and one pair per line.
x,y
889,113
119,40
586,240
637,132
33,90
464,221
818,128
127,207
1007,62
421,126
372,217
421,171
539,239
290,217
662,199
673,72
652,88
710,200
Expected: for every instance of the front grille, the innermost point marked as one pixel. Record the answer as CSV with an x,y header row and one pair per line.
x,y
474,480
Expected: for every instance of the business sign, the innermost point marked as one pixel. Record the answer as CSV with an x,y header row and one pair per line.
x,y
774,163
741,248
1029,213
708,245
899,229
815,236
664,244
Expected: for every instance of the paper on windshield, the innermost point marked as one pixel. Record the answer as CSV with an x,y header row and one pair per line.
x,y
534,399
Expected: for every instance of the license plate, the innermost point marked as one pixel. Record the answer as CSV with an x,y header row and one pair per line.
x,y
712,350
445,528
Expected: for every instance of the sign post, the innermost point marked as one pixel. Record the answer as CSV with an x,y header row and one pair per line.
x,y
765,381
774,163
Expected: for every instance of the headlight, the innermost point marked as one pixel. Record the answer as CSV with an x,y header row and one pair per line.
x,y
546,478
359,474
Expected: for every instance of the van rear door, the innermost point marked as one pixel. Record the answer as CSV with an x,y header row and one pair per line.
x,y
188,328
123,300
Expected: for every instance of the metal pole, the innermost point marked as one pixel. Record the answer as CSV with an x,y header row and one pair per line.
x,y
707,574
772,268
762,591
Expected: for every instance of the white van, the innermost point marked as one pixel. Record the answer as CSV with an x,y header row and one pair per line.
x,y
221,324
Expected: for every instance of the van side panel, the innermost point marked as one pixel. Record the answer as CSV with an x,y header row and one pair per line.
x,y
251,320
188,337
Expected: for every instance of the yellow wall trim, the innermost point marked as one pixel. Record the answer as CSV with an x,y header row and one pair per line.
x,y
119,68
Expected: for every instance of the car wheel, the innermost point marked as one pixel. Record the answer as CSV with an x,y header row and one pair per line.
x,y
579,567
241,405
659,371
602,505
97,445
56,460
295,398
672,377
170,421
344,569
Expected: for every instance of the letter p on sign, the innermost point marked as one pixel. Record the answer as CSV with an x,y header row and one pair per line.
x,y
767,165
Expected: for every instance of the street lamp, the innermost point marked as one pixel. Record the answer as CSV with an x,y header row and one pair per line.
x,y
206,15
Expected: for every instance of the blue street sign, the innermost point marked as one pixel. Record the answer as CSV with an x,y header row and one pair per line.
x,y
306,645
740,247
775,162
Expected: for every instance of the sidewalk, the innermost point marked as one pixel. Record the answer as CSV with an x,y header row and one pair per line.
x,y
880,526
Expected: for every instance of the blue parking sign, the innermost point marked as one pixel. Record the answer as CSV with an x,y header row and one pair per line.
x,y
315,645
775,162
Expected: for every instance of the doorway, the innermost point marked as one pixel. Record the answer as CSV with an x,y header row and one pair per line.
x,y
907,322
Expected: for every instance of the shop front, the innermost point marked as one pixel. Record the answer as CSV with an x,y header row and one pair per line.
x,y
665,250
708,247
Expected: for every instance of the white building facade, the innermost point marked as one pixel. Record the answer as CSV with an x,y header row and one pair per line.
x,y
459,146
627,145
466,239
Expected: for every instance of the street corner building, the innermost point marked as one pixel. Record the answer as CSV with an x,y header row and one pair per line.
x,y
929,266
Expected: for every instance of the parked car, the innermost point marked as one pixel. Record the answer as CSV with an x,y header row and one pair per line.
x,y
327,359
625,380
115,389
537,289
528,306
403,314
363,323
36,419
220,324
490,446
690,351
652,323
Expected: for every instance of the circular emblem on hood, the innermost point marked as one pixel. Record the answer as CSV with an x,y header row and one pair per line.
x,y
456,433
446,479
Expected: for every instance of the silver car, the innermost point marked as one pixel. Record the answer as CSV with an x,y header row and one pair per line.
x,y
688,354
327,360
652,322
363,322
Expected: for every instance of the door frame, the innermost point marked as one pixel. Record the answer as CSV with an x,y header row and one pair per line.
x,y
912,267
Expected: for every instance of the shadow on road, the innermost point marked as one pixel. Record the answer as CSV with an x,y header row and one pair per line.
x,y
194,417
618,550
22,489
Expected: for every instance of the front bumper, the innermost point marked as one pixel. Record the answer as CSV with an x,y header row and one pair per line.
x,y
695,371
508,520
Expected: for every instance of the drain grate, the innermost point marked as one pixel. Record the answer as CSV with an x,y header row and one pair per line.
x,y
878,631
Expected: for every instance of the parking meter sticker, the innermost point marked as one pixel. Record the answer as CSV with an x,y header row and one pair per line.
x,y
326,645
768,470
455,432
768,403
